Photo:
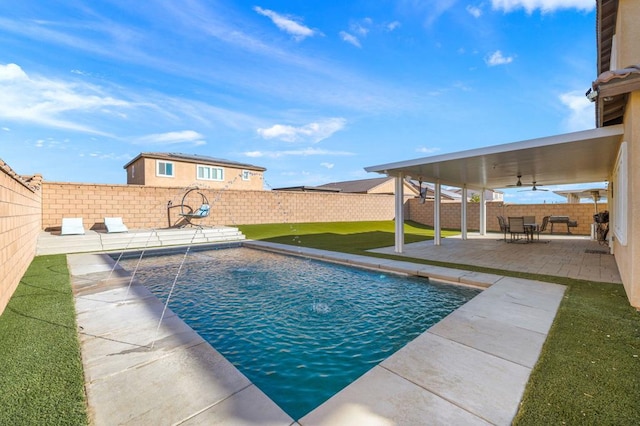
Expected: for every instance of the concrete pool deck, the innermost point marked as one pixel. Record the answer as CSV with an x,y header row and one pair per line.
x,y
470,368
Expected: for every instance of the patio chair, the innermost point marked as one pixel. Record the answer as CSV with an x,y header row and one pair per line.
x,y
516,228
72,226
531,226
115,224
504,228
201,213
543,227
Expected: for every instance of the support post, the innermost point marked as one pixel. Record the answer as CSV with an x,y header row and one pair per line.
x,y
436,215
399,211
483,213
463,213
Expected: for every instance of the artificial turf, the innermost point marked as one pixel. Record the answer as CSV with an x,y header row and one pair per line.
x,y
588,371
41,379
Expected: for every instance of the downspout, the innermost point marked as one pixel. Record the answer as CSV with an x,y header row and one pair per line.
x,y
399,220
436,215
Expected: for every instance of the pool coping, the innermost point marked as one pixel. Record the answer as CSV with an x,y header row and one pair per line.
x,y
471,367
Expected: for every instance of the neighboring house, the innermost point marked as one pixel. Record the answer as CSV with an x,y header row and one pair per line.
x,y
181,170
384,185
428,192
489,195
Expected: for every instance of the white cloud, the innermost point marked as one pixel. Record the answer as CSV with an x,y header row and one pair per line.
x,y
391,26
349,38
312,132
425,150
496,58
171,138
305,152
46,102
286,24
6,129
581,111
362,27
474,11
543,5
327,165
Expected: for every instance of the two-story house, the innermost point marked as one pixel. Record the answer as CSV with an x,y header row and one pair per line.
x,y
181,170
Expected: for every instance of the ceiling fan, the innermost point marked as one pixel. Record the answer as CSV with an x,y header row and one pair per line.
x,y
518,183
534,188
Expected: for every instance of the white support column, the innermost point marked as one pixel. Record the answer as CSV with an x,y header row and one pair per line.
x,y
463,213
483,213
436,215
399,220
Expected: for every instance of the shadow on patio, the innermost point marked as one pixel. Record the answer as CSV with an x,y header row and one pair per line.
x,y
570,256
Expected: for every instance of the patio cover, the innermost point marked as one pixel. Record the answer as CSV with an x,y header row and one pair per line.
x,y
571,158
579,157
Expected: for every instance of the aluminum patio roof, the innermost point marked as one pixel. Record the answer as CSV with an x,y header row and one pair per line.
x,y
579,157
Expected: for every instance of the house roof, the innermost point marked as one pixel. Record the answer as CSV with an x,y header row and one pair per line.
x,y
304,188
612,88
584,193
606,15
194,158
361,186
579,157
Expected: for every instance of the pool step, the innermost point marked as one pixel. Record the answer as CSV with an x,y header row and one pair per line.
x,y
100,241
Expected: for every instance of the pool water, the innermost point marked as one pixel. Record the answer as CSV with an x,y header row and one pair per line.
x,y
299,329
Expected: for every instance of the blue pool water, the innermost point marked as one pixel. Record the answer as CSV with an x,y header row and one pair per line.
x,y
300,329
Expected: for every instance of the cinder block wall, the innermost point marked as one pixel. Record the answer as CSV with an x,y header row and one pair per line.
x,y
155,207
20,223
451,214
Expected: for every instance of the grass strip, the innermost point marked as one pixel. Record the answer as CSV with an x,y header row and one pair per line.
x,y
42,380
587,372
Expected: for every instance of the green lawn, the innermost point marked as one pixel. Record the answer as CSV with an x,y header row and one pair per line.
x,y
41,379
589,369
588,372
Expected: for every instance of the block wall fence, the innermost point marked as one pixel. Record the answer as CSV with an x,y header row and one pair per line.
x,y
155,207
20,224
450,214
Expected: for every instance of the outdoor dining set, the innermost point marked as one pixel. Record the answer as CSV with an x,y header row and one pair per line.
x,y
522,228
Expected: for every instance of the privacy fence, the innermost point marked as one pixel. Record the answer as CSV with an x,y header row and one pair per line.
x,y
20,223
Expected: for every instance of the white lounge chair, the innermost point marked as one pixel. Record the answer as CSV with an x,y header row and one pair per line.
x,y
115,224
72,226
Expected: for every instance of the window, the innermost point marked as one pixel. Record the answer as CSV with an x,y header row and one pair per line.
x,y
164,168
246,175
133,171
210,173
620,196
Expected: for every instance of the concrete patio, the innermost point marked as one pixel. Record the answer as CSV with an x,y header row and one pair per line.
x,y
572,256
471,368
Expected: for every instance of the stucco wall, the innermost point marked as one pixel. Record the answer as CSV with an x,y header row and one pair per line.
x,y
628,256
19,227
143,172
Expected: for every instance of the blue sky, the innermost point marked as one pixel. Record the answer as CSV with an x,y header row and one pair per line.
x,y
314,91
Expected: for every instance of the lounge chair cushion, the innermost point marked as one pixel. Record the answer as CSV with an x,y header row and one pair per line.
x,y
72,226
115,224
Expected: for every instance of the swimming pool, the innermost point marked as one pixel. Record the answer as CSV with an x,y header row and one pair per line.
x,y
300,329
